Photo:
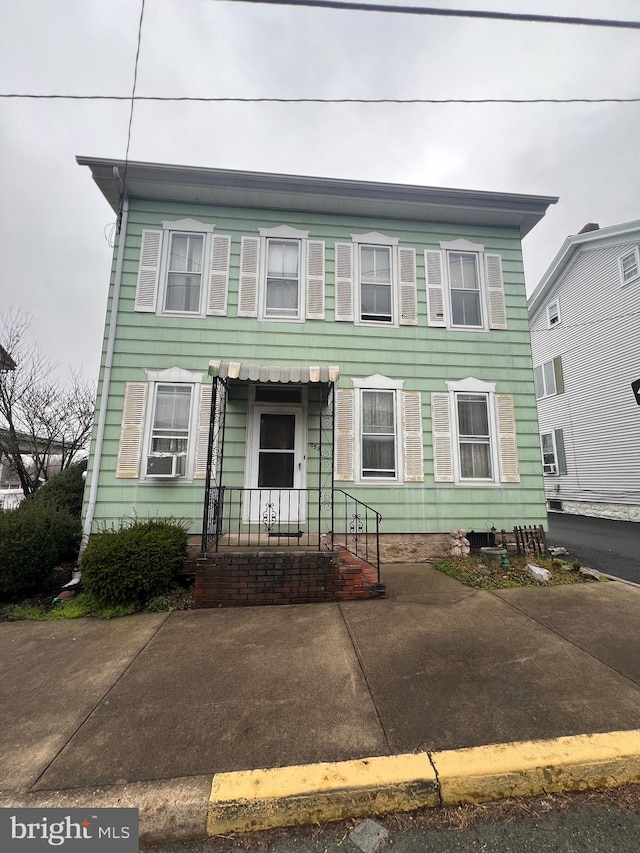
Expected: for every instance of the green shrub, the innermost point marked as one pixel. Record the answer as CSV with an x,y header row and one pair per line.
x,y
64,490
135,562
33,539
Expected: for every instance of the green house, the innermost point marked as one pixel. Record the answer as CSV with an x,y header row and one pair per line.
x,y
299,362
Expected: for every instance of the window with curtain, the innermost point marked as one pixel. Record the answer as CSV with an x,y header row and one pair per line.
x,y
474,437
378,434
184,273
172,413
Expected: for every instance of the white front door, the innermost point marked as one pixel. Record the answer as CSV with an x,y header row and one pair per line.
x,y
275,466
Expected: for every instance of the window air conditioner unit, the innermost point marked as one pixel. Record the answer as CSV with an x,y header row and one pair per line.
x,y
168,466
550,469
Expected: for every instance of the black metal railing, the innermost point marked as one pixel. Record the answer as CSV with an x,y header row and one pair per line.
x,y
291,518
356,527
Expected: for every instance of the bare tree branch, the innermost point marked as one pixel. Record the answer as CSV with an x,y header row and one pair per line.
x,y
45,424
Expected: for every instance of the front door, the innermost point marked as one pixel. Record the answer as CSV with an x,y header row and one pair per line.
x,y
276,467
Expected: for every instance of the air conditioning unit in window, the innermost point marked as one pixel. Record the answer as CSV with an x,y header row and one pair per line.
x,y
169,466
550,469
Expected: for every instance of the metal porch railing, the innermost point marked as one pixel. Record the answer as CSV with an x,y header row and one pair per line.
x,y
291,518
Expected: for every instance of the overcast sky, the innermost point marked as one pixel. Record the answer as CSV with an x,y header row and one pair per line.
x,y
56,259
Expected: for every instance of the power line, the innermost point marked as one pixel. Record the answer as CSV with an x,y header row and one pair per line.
x,y
453,13
133,100
260,100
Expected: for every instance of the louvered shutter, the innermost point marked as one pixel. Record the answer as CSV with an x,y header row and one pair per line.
x,y
132,430
344,282
495,292
148,271
408,293
558,374
249,262
561,459
435,288
442,439
507,446
202,434
315,280
345,434
218,275
412,437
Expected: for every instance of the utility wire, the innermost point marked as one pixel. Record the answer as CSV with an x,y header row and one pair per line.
x,y
453,13
133,101
257,100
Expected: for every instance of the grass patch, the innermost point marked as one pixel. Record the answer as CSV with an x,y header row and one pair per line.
x,y
73,608
483,573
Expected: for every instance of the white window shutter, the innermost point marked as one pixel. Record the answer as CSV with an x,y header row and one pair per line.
x,y
344,282
507,445
132,430
412,437
148,271
408,291
315,280
202,434
495,292
219,275
442,439
344,428
249,262
435,288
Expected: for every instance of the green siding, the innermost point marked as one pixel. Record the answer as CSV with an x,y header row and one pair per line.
x,y
423,356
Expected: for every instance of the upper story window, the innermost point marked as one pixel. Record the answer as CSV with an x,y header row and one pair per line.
x,y
465,287
375,281
281,275
376,296
548,378
464,291
184,269
184,273
630,266
282,291
553,313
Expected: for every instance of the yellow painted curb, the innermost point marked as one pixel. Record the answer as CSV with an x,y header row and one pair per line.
x,y
524,769
309,793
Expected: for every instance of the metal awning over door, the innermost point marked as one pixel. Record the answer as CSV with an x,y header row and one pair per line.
x,y
300,374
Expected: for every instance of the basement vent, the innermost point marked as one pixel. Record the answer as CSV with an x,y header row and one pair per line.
x,y
483,539
554,504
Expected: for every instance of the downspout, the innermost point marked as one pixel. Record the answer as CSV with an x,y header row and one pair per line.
x,y
106,378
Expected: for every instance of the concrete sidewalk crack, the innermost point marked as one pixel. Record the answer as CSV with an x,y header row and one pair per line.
x,y
435,770
364,675
31,788
566,639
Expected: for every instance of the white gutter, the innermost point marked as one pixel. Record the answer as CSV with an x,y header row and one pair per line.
x,y
106,377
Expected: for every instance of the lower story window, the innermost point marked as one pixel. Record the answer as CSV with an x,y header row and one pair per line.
x,y
474,437
170,426
378,434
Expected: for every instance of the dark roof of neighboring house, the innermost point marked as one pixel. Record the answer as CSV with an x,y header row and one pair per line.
x,y
6,362
159,181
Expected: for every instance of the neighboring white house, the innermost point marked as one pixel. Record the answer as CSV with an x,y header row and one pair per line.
x,y
585,338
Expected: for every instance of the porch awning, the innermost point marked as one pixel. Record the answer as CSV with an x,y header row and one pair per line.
x,y
301,373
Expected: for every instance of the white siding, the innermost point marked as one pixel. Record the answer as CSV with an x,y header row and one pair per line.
x,y
599,341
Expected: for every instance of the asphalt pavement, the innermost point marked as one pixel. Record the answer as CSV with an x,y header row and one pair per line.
x,y
605,544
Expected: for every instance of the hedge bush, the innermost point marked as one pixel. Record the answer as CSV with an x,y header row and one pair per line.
x,y
33,539
65,490
135,562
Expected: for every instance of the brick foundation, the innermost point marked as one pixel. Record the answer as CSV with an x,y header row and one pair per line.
x,y
242,579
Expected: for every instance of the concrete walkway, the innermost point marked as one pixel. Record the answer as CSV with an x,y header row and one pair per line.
x,y
149,699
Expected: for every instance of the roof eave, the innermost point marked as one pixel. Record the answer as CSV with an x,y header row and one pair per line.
x,y
331,195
